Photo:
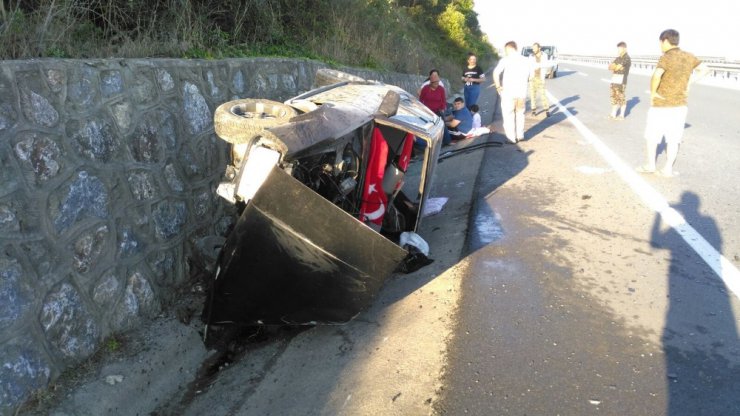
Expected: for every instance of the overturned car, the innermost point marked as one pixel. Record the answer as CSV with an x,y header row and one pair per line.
x,y
329,200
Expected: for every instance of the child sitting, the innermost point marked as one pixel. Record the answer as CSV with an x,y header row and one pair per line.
x,y
477,130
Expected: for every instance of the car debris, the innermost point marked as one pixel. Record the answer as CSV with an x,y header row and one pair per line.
x,y
325,187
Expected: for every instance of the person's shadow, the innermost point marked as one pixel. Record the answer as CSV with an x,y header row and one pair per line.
x,y
631,103
700,329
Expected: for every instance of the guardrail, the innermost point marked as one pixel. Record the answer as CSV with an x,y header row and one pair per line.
x,y
719,69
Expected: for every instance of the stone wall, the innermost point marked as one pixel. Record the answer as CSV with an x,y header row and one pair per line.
x,y
108,171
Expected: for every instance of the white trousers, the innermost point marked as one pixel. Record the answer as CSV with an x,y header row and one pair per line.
x,y
668,122
512,111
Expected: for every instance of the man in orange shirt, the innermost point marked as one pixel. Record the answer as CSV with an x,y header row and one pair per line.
x,y
669,92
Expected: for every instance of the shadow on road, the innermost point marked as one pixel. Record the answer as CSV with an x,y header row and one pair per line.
x,y
631,103
700,329
555,117
562,73
567,100
542,125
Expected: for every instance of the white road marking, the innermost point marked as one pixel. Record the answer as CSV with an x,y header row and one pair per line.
x,y
582,74
608,81
655,201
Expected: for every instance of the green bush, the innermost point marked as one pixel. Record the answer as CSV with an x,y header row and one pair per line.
x,y
410,36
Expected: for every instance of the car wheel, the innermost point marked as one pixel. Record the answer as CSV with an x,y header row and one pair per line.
x,y
326,76
239,121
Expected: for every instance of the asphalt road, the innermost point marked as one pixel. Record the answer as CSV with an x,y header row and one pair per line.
x,y
581,299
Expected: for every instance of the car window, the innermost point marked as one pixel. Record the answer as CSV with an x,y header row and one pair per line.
x,y
550,51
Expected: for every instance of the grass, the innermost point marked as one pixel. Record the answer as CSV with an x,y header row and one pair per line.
x,y
381,35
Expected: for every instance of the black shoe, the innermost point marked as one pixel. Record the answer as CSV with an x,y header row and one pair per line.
x,y
534,113
547,114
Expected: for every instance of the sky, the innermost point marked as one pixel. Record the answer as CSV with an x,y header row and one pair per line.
x,y
594,27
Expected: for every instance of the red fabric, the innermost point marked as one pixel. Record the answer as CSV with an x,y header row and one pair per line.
x,y
374,200
434,99
405,157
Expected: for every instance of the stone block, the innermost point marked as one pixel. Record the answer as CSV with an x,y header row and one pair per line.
x,y
169,217
23,369
128,243
198,116
139,302
68,325
142,184
85,196
82,88
16,301
164,80
94,138
111,83
40,153
88,248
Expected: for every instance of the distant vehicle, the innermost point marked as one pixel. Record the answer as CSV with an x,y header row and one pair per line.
x,y
551,53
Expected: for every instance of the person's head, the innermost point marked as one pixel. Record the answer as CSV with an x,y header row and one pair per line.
x,y
472,59
510,47
474,108
622,48
434,79
536,47
433,71
668,39
458,103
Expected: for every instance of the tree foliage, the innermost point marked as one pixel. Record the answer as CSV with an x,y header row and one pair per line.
x,y
399,35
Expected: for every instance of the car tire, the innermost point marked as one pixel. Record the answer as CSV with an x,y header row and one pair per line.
x,y
239,121
326,76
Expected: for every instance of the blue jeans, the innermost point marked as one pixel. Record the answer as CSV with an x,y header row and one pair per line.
x,y
447,138
470,94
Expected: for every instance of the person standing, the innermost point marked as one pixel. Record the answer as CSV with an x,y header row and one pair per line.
x,y
537,80
620,68
510,77
472,76
669,88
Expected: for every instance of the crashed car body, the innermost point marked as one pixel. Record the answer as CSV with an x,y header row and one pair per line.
x,y
326,195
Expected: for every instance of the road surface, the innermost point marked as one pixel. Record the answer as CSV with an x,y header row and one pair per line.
x,y
582,298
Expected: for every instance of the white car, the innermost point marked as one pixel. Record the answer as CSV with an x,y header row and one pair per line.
x,y
551,54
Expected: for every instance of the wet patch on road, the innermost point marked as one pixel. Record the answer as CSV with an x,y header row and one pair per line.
x,y
486,228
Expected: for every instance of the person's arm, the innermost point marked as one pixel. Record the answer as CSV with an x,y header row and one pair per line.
x,y
699,72
654,83
481,76
497,76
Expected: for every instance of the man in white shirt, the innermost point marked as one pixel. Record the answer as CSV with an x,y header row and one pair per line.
x,y
511,76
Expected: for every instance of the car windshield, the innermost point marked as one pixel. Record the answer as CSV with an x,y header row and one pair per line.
x,y
547,50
